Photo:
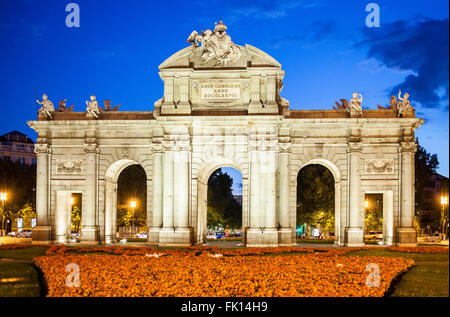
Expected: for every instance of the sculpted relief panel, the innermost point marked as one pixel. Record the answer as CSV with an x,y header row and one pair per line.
x,y
69,166
379,166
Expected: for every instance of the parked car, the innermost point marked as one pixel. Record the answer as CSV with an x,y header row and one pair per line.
x,y
372,235
142,235
12,234
379,235
215,235
436,237
75,235
24,233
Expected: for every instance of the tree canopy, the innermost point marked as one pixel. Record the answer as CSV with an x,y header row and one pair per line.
x,y
315,197
223,208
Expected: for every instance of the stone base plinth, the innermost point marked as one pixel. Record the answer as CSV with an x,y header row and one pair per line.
x,y
41,235
180,237
110,239
153,236
406,237
262,238
90,235
354,237
285,237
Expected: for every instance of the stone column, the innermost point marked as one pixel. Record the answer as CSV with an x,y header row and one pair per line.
x,y
62,216
110,232
42,230
253,232
284,232
90,230
168,191
157,190
406,234
354,233
263,165
181,192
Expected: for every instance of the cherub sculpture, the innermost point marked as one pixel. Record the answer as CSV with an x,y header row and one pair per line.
x,y
92,108
47,107
355,105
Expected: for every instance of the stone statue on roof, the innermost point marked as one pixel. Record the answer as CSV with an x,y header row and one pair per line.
x,y
403,104
47,107
216,44
355,105
92,108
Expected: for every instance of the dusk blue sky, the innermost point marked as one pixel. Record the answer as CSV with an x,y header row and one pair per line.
x,y
323,45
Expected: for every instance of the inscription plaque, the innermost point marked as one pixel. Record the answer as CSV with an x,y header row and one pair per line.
x,y
220,90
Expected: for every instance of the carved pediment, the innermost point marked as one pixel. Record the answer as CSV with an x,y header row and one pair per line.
x,y
190,57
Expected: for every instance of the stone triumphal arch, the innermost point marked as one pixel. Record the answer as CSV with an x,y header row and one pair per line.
x,y
222,107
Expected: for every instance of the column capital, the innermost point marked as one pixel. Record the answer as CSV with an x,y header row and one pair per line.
x,y
355,146
90,148
408,147
157,148
42,148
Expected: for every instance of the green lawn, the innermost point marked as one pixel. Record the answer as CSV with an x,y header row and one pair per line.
x,y
428,278
19,268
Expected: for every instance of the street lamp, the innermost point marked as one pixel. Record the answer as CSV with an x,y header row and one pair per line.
x,y
3,197
444,201
367,204
133,205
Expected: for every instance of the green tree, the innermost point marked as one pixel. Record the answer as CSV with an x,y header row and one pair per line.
x,y
222,207
373,220
315,197
27,213
76,218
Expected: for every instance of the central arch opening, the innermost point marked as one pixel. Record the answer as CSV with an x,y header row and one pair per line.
x,y
315,205
224,205
131,204
221,199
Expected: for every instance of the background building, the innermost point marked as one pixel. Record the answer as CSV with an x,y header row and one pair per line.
x,y
429,218
16,146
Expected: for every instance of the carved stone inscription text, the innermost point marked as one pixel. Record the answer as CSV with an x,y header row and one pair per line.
x,y
220,90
